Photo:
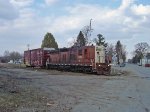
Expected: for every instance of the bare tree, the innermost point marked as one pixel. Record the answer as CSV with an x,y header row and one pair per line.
x,y
87,30
110,50
87,33
15,55
124,53
6,56
141,49
72,42
120,51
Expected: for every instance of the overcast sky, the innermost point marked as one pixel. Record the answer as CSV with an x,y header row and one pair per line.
x,y
25,22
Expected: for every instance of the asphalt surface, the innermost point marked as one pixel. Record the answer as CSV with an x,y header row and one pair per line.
x,y
138,70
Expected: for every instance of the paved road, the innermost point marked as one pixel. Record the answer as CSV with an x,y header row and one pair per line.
x,y
138,70
137,90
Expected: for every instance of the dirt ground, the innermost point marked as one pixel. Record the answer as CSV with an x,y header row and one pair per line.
x,y
36,90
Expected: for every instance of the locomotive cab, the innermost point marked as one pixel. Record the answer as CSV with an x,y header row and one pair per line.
x,y
101,66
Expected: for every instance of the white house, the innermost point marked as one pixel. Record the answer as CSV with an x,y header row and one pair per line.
x,y
145,60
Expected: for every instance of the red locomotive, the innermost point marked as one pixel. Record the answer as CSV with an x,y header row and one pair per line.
x,y
86,59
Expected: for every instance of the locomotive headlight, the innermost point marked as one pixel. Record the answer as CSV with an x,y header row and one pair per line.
x,y
99,65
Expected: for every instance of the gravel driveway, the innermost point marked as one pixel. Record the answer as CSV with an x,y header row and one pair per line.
x,y
27,90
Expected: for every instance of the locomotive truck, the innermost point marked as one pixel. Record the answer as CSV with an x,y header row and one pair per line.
x,y
88,59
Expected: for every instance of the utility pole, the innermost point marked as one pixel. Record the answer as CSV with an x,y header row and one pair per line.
x,y
87,30
90,27
28,45
90,30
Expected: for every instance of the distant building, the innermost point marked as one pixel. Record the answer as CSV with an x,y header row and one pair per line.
x,y
148,56
145,61
129,60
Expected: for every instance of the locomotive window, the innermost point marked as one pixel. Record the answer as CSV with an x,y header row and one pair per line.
x,y
85,51
85,54
72,57
80,52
